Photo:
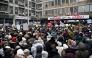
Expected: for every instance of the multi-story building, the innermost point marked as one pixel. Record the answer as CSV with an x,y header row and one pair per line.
x,y
18,11
52,8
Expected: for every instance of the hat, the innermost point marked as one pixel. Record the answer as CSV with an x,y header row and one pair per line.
x,y
20,52
86,33
27,51
73,45
44,54
9,36
20,33
17,47
6,36
90,56
7,47
23,39
14,39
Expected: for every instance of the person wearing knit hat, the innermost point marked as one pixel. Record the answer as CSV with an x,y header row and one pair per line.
x,y
61,48
13,42
73,45
27,52
14,39
90,56
20,54
7,53
44,54
23,42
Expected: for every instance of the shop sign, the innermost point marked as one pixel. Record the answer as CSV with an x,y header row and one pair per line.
x,y
66,17
69,17
57,18
50,18
80,17
21,17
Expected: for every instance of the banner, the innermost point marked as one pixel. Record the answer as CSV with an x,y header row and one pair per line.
x,y
69,17
25,26
18,27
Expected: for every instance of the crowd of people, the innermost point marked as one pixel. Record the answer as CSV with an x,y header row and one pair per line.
x,y
46,42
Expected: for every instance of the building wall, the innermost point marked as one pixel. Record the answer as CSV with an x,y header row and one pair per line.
x,y
63,7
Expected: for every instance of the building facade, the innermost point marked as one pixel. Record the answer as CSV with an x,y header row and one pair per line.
x,y
53,8
19,11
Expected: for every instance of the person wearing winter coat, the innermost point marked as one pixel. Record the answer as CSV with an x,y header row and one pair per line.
x,y
38,52
34,48
82,52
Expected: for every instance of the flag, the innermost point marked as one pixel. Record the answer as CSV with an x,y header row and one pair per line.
x,y
75,13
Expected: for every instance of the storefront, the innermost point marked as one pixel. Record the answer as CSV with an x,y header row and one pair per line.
x,y
70,19
20,20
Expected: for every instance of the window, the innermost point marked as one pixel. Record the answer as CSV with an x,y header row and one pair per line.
x,y
46,4
76,9
11,10
63,1
63,10
52,11
16,10
91,8
81,9
4,8
67,10
26,3
16,1
67,1
59,2
60,10
71,9
29,12
43,12
21,11
26,12
46,12
56,2
11,1
86,8
71,1
55,10
30,5
51,3
21,2
76,0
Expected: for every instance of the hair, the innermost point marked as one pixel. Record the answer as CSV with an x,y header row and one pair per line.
x,y
7,51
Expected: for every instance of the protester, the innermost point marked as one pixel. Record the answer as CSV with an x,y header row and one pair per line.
x,y
46,42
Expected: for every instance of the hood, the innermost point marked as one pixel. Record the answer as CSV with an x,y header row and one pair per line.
x,y
81,46
39,49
